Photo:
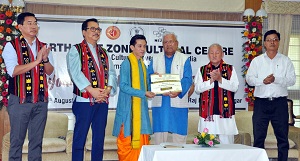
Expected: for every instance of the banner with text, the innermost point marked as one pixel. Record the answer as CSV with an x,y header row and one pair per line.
x,y
194,39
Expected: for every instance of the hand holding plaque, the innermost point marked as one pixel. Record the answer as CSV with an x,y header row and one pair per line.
x,y
165,83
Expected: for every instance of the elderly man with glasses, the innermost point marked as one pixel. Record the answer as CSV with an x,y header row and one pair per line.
x,y
170,109
92,72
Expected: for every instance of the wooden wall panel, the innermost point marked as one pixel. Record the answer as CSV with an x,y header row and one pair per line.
x,y
140,13
127,12
4,126
1,128
254,4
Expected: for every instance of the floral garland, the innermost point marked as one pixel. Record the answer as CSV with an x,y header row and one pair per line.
x,y
251,48
8,29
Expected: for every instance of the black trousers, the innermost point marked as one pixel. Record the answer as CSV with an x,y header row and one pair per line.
x,y
275,111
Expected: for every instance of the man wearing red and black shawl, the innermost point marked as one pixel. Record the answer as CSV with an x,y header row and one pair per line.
x,y
28,61
216,83
93,74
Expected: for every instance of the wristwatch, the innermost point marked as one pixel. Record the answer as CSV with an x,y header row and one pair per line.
x,y
47,61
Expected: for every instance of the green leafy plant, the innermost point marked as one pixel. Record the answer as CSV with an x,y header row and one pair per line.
x,y
206,139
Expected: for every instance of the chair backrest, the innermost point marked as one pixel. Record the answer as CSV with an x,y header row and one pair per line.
x,y
193,122
291,112
110,122
56,126
243,121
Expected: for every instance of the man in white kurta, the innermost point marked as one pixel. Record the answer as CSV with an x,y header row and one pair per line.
x,y
216,83
170,110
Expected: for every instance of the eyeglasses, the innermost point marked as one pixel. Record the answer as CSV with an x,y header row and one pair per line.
x,y
93,29
272,40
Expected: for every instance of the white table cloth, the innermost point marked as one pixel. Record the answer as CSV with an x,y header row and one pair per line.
x,y
192,152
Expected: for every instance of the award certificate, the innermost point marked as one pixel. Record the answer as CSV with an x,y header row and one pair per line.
x,y
165,83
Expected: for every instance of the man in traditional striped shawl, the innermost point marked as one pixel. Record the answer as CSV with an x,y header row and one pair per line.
x,y
216,82
28,63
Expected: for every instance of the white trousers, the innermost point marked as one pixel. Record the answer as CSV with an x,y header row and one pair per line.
x,y
226,139
162,137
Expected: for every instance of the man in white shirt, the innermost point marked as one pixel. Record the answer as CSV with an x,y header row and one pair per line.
x,y
271,73
28,62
